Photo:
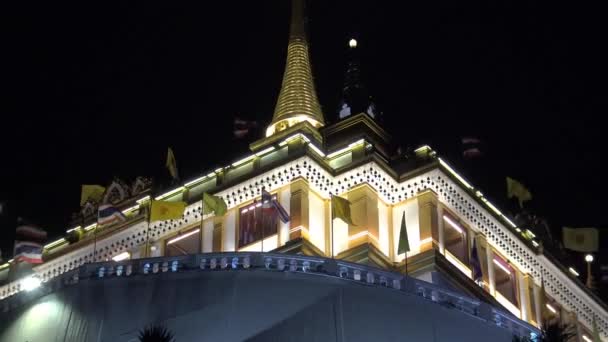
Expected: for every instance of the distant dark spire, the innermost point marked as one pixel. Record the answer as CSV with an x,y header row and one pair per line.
x,y
355,97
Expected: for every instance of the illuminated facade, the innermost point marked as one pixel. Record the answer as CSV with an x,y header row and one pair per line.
x,y
302,162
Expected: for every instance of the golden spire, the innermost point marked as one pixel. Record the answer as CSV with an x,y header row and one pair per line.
x,y
297,99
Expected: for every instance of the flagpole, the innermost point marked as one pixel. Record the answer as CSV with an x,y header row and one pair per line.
x,y
331,219
202,223
146,252
95,242
262,219
406,263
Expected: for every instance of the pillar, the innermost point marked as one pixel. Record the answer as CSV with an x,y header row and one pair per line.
x,y
298,225
490,262
524,299
364,212
440,230
427,206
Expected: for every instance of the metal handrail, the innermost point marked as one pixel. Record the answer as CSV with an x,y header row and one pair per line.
x,y
243,261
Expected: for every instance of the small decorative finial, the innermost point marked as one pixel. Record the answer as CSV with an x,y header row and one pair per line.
x,y
352,43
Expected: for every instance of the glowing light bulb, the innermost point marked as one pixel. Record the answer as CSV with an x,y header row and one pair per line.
x,y
31,283
352,43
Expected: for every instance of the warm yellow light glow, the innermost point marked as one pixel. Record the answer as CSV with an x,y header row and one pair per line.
x,y
122,256
170,193
425,241
363,234
356,143
198,180
352,43
507,304
270,243
31,283
589,258
459,265
4,266
292,121
181,237
453,224
530,234
316,149
292,138
143,199
54,243
219,170
501,266
298,228
243,161
510,222
492,207
456,175
338,152
535,243
131,209
573,271
264,151
422,149
91,226
551,308
73,229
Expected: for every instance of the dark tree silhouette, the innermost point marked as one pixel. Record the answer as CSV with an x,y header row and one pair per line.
x,y
554,332
156,333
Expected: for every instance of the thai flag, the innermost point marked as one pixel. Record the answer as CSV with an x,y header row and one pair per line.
x,y
471,148
27,251
28,244
268,202
109,214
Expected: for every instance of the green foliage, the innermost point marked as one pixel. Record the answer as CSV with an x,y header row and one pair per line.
x,y
156,333
557,332
554,332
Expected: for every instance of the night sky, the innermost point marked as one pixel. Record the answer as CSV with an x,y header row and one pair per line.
x,y
96,91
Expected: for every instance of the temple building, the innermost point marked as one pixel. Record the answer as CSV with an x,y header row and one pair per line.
x,y
243,276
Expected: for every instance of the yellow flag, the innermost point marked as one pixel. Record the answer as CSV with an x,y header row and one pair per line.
x,y
518,190
213,204
581,239
94,192
340,208
164,210
171,163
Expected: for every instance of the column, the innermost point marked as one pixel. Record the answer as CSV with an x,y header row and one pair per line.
x,y
391,234
440,229
364,212
490,262
284,197
538,308
207,235
524,299
427,202
298,224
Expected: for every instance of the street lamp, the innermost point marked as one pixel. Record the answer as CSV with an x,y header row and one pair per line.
x,y
589,260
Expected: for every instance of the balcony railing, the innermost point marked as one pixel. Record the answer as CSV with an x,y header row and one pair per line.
x,y
273,262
